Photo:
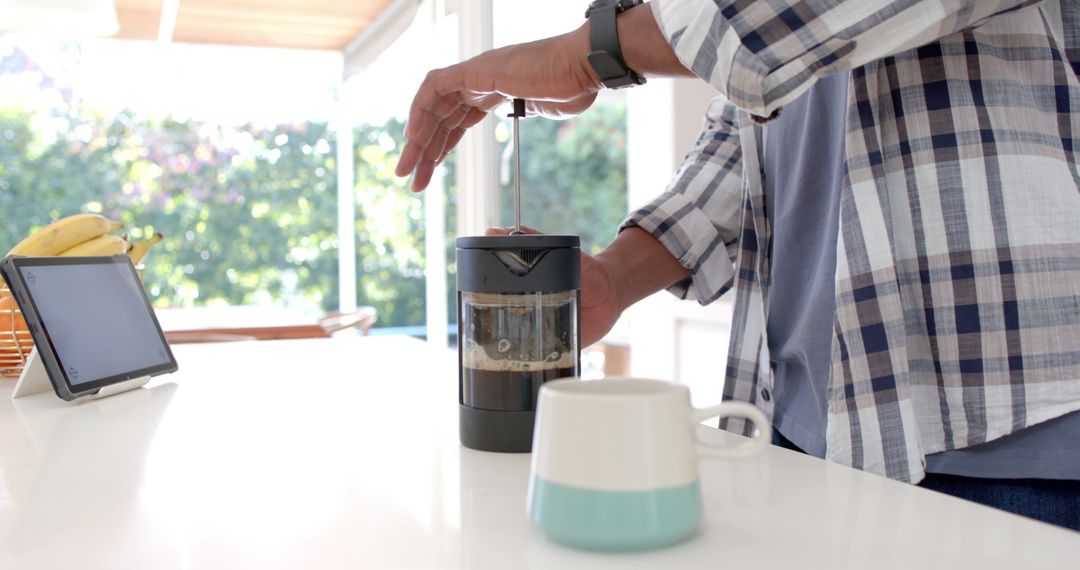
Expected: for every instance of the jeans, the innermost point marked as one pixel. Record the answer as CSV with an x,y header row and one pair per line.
x,y
1049,500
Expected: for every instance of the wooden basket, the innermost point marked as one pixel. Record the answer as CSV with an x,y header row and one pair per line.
x,y
15,343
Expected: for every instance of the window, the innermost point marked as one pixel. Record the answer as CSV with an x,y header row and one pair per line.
x,y
231,152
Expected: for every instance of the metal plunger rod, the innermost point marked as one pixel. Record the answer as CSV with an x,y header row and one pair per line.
x,y
519,112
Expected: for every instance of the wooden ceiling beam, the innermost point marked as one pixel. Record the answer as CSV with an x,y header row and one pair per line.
x,y
138,19
311,24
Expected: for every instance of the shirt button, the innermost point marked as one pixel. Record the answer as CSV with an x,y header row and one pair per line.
x,y
765,394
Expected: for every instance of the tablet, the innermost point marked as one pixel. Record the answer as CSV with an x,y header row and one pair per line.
x,y
90,320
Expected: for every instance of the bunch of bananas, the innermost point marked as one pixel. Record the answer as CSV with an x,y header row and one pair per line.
x,y
84,234
80,234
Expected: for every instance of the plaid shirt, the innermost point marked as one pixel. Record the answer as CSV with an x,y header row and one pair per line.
x,y
958,264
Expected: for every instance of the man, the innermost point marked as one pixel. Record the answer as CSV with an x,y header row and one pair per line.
x,y
890,187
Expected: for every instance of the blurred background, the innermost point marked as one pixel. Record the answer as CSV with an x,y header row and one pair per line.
x,y
260,137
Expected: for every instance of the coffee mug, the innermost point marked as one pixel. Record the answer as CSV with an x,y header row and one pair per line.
x,y
614,463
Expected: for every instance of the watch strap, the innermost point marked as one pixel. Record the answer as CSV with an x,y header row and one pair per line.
x,y
606,56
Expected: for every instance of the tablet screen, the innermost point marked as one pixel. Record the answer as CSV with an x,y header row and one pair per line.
x,y
97,318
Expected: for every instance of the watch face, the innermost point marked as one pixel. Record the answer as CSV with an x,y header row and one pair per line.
x,y
620,5
599,4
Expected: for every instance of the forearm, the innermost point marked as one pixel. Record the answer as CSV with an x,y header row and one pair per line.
x,y
644,47
698,217
639,266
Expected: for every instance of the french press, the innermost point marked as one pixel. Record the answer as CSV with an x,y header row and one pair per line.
x,y
518,326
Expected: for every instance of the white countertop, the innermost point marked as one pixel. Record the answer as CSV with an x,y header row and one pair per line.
x,y
343,453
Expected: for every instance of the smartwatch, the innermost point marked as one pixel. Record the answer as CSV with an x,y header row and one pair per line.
x,y
606,56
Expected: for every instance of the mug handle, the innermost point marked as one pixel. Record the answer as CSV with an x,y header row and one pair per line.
x,y
737,409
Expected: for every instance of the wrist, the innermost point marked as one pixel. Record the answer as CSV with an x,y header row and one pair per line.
x,y
615,272
579,47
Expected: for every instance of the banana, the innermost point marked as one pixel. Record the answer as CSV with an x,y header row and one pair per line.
x,y
65,234
101,245
139,248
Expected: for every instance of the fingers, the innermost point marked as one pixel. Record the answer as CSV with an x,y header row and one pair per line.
x,y
432,155
421,158
451,142
425,128
421,155
437,122
422,175
425,123
410,155
437,143
507,231
431,102
430,106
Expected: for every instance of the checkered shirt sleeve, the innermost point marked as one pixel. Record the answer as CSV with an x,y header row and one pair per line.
x,y
762,55
697,217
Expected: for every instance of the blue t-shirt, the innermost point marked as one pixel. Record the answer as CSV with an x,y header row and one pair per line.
x,y
804,169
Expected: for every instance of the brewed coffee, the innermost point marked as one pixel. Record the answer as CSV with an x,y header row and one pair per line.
x,y
507,391
515,343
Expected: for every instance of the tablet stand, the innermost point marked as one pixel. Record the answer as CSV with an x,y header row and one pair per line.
x,y
35,380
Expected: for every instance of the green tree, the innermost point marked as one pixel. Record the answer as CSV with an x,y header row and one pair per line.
x,y
389,229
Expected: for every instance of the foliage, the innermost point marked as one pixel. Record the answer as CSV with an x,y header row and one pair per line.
x,y
236,230
389,229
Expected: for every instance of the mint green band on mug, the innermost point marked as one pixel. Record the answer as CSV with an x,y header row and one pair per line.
x,y
615,520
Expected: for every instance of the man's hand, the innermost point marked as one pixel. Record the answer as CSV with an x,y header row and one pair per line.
x,y
552,75
632,267
599,301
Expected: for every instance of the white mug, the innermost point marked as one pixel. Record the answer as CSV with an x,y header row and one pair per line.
x,y
614,461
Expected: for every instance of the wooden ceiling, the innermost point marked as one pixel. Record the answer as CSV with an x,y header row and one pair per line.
x,y
296,24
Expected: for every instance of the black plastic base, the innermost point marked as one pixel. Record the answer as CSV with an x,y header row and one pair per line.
x,y
490,430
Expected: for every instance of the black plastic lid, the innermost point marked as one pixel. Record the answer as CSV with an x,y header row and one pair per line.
x,y
525,241
519,264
